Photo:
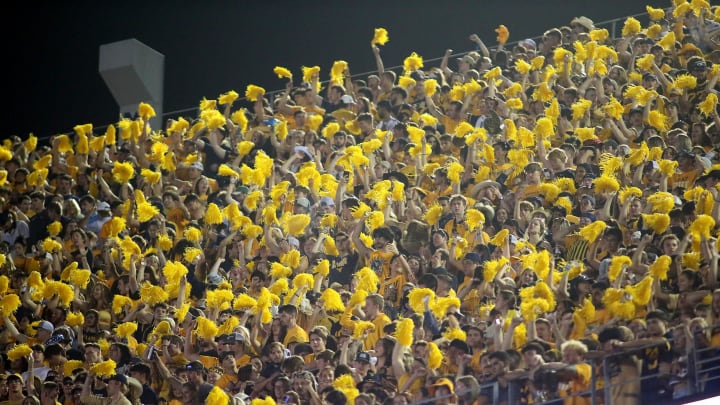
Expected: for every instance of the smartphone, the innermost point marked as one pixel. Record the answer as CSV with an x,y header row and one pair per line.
x,y
151,353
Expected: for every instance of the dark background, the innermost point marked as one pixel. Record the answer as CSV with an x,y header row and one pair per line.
x,y
51,54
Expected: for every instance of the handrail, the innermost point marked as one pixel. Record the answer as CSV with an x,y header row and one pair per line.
x,y
698,377
612,23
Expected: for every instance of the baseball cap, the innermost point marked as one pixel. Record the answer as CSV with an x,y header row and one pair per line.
x,y
119,377
197,165
443,382
195,366
583,22
293,242
14,377
45,325
363,356
467,59
327,201
347,99
303,202
588,197
528,44
103,206
697,65
472,256
589,215
649,76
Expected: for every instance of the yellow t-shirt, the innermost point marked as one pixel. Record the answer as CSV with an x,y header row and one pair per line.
x,y
296,334
577,385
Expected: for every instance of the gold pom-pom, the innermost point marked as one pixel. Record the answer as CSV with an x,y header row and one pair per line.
x,y
500,237
9,304
435,356
146,111
691,260
404,332
104,369
413,62
362,327
593,231
432,216
702,226
606,183
295,224
19,352
416,299
80,277
228,98
206,328
252,92
282,72
367,280
332,302
431,86
454,333
631,27
217,397
193,234
685,81
191,254
310,72
380,37
656,14
54,228
660,267
72,365
152,295
213,215
628,192
123,172
661,202
617,264
709,104
279,287
502,34
522,67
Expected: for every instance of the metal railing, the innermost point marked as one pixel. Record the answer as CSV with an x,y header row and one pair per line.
x,y
703,372
613,26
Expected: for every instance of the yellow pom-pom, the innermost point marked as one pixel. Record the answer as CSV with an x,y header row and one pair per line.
x,y
432,216
367,280
631,27
19,352
685,81
206,328
104,369
282,72
413,62
380,37
454,333
228,98
332,302
606,183
193,234
252,92
431,86
709,104
617,264
502,34
54,228
416,299
361,327
123,171
593,231
656,14
404,332
146,111
191,254
660,267
435,356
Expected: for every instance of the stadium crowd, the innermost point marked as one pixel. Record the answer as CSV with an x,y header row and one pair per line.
x,y
516,225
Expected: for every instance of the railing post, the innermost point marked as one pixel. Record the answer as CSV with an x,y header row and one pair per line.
x,y
606,382
496,393
693,372
593,382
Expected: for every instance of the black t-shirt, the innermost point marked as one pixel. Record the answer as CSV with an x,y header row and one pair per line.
x,y
149,396
342,268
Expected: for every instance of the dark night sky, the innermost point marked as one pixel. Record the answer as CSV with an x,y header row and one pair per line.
x,y
52,81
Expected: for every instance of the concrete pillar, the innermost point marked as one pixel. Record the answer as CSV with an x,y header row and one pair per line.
x,y
134,73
